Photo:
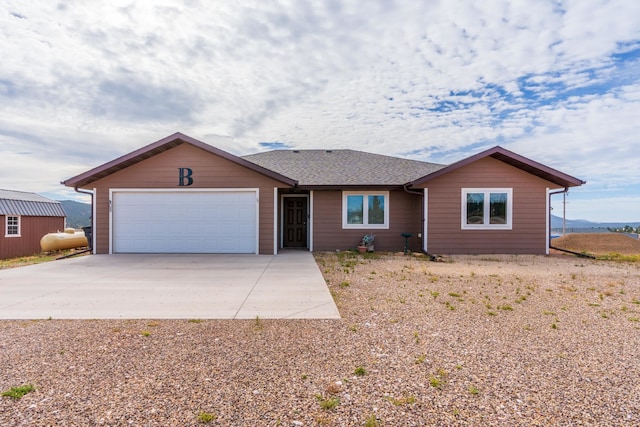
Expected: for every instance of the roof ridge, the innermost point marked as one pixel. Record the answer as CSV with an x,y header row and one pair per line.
x,y
332,150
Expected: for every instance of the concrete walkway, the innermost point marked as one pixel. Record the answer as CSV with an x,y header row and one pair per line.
x,y
143,286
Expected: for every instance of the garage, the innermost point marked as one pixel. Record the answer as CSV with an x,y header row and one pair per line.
x,y
184,221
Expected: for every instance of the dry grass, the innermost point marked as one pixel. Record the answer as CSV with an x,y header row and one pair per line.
x,y
599,244
27,260
37,258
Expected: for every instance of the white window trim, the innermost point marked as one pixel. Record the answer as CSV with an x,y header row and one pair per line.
x,y
365,195
6,226
486,191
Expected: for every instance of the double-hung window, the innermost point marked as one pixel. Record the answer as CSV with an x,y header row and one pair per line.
x,y
487,208
365,209
12,226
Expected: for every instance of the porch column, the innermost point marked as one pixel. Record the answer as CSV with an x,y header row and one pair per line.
x,y
275,220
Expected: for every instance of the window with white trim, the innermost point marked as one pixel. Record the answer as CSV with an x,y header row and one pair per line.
x,y
365,209
487,208
12,226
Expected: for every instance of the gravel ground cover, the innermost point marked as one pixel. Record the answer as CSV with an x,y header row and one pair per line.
x,y
474,340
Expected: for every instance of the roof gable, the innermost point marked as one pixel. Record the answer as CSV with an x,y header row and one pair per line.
x,y
342,168
161,146
513,159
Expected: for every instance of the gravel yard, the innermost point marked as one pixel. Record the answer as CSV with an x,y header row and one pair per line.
x,y
475,340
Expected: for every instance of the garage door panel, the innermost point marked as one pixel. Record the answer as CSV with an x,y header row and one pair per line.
x,y
185,222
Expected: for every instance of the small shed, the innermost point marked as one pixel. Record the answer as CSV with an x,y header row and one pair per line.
x,y
25,218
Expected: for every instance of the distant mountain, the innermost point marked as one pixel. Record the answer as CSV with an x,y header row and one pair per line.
x,y
556,222
78,214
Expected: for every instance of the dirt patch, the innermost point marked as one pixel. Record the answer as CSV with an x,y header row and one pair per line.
x,y
598,243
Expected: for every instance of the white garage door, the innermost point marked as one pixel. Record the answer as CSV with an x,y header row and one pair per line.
x,y
184,221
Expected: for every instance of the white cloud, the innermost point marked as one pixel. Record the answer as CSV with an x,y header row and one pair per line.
x,y
555,81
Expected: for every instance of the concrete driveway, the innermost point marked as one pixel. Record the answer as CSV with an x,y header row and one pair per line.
x,y
285,286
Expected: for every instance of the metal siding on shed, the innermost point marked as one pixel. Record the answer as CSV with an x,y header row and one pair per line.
x,y
32,229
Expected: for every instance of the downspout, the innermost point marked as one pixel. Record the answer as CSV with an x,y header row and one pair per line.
x,y
565,191
90,193
421,194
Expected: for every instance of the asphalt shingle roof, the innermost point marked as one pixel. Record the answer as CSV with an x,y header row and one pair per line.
x,y
28,204
342,167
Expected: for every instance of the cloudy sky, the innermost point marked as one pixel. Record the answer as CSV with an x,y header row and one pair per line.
x,y
83,82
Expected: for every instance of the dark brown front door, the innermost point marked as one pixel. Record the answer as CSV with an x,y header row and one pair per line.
x,y
295,222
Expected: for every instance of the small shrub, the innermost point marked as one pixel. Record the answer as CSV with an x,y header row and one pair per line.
x,y
328,404
473,390
435,382
17,393
360,371
439,379
407,400
372,421
206,417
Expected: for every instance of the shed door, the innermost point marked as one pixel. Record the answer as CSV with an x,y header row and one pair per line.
x,y
185,221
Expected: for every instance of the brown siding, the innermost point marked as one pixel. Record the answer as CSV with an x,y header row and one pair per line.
x,y
404,217
32,228
209,171
528,234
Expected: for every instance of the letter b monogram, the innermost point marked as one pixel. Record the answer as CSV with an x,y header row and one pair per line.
x,y
184,176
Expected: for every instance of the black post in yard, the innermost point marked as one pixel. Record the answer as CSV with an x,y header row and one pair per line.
x,y
406,241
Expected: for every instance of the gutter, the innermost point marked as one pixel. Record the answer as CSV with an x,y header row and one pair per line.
x,y
565,191
90,193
